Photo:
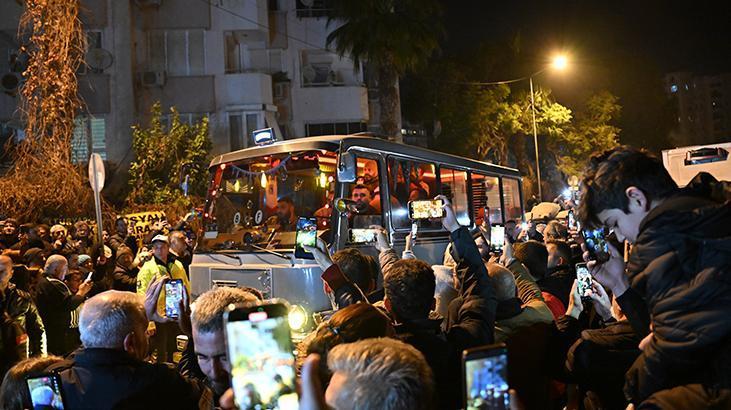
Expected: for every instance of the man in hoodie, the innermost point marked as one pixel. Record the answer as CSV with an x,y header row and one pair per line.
x,y
676,286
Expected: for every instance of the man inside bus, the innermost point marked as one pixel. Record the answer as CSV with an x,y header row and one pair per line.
x,y
365,215
285,219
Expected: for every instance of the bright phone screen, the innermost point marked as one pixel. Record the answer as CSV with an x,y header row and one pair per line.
x,y
173,296
45,392
487,383
262,362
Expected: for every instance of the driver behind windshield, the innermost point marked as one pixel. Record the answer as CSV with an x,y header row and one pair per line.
x,y
361,195
285,218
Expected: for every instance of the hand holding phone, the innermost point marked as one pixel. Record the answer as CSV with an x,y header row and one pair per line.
x,y
259,345
362,235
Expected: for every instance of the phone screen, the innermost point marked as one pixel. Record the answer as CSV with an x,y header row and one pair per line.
x,y
486,378
306,235
45,391
596,244
426,209
583,280
497,238
173,295
362,235
261,355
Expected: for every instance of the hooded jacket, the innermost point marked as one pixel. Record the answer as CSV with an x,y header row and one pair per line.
x,y
681,266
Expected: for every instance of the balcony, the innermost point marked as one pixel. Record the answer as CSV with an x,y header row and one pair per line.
x,y
329,104
314,8
246,88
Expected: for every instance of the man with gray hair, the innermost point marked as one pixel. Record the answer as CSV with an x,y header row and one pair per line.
x,y
205,356
382,373
109,372
56,305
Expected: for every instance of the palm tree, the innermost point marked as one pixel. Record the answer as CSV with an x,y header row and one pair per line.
x,y
392,36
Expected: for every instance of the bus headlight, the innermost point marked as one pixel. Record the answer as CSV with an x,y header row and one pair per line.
x,y
297,318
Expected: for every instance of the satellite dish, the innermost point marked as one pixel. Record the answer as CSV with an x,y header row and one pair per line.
x,y
309,73
99,59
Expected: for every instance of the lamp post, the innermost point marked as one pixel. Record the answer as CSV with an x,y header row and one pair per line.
x,y
558,63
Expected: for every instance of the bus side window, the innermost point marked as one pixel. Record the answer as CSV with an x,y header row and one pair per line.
x,y
511,199
454,187
410,181
366,193
486,199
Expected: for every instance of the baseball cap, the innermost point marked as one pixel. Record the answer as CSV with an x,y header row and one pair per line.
x,y
160,238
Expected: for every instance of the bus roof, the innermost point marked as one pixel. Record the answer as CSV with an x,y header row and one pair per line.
x,y
333,143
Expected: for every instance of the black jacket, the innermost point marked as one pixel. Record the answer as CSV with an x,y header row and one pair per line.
x,y
558,282
470,322
125,279
116,240
20,307
681,266
55,304
111,379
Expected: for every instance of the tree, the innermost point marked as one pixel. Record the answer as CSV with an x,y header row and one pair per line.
x,y
393,37
43,183
591,132
163,157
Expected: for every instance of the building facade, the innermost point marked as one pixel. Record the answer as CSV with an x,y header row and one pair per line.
x,y
246,64
703,104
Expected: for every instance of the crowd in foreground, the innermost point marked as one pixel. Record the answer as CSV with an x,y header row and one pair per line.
x,y
652,331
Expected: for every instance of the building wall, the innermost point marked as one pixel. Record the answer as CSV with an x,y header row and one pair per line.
x,y
703,105
184,46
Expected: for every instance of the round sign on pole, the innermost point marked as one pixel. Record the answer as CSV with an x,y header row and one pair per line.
x,y
96,172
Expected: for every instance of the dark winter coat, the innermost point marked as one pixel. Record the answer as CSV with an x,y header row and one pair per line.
x,y
681,266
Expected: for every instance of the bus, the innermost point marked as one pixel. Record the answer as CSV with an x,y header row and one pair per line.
x,y
257,194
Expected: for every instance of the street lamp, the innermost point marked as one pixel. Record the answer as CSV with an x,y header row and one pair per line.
x,y
559,63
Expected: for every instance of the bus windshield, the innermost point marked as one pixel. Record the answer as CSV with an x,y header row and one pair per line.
x,y
253,204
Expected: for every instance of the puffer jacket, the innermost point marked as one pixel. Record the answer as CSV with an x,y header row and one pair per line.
x,y
681,266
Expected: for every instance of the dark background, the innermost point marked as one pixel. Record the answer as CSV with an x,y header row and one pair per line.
x,y
622,46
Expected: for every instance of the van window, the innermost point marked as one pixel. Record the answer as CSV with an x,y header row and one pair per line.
x,y
454,187
410,181
486,199
366,193
511,197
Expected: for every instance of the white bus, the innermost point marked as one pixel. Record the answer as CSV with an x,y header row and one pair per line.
x,y
246,243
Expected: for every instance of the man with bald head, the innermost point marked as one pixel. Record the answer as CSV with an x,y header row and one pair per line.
x,y
56,304
109,372
518,305
19,306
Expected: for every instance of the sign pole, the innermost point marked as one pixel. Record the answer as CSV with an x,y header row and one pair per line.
x,y
96,180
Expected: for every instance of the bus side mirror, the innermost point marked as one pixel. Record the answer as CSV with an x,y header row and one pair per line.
x,y
347,167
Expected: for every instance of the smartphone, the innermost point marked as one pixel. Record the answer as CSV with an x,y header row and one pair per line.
x,y
583,280
571,220
46,391
88,277
596,244
414,231
427,209
259,345
174,289
362,235
524,226
306,235
485,378
497,238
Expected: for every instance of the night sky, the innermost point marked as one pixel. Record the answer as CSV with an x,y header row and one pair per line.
x,y
623,46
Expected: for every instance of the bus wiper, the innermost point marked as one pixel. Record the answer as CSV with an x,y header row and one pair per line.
x,y
281,255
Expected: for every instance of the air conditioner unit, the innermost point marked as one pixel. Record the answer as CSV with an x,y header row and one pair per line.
x,y
152,78
148,3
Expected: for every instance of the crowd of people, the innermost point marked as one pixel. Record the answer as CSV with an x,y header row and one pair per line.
x,y
650,331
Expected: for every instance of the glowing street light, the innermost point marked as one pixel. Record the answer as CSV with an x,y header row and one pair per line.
x,y
560,62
